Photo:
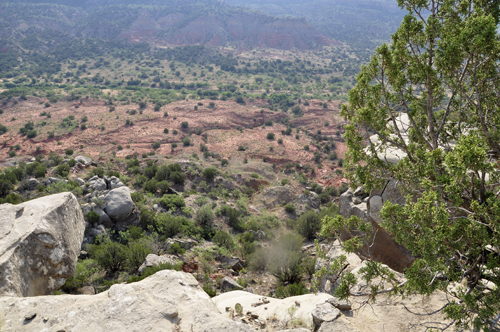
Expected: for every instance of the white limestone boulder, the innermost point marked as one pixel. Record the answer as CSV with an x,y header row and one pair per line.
x,y
40,242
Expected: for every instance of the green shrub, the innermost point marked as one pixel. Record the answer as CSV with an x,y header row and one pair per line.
x,y
163,186
258,261
205,216
285,259
177,178
290,208
151,186
82,276
92,217
209,289
168,225
309,224
223,239
175,249
136,253
111,256
284,182
210,173
290,290
270,136
98,171
184,124
69,152
62,170
171,202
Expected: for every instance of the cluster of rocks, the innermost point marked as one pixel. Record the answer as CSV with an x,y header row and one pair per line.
x,y
114,205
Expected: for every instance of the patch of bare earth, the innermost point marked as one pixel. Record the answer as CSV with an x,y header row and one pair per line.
x,y
225,127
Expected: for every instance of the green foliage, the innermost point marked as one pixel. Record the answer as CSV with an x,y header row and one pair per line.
x,y
83,275
205,216
175,249
62,170
92,217
171,202
223,239
445,174
270,136
309,224
210,173
210,290
290,208
290,290
285,259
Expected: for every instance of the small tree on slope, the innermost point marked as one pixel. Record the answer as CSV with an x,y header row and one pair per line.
x,y
440,74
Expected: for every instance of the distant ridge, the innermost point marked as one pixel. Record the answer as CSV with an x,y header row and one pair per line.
x,y
173,23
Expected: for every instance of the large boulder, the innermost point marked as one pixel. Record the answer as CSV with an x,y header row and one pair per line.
x,y
121,208
85,161
98,184
166,301
383,248
39,244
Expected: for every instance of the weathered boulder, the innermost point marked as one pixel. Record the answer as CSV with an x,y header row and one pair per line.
x,y
39,244
86,161
51,180
119,204
98,184
324,312
166,301
228,284
383,248
232,262
80,181
153,259
33,184
114,183
186,244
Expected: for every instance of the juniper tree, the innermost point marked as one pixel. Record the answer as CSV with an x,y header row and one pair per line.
x,y
439,75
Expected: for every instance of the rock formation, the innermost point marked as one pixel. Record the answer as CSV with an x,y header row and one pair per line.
x,y
166,301
39,244
383,248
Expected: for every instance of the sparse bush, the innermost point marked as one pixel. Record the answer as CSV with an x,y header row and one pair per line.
x,y
270,136
223,239
184,124
92,217
290,208
309,224
210,173
205,216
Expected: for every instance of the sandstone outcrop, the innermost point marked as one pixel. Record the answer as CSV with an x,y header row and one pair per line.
x,y
39,244
166,301
383,247
153,259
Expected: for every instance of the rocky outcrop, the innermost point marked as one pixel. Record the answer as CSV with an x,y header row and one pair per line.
x,y
115,207
278,196
153,259
39,244
166,301
382,247
228,284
